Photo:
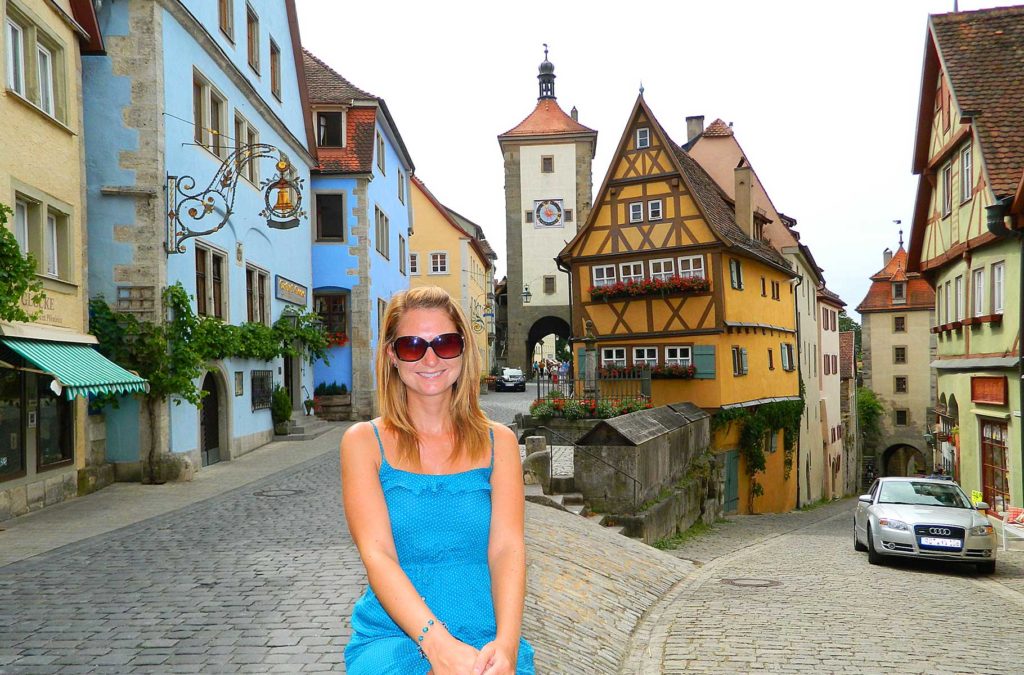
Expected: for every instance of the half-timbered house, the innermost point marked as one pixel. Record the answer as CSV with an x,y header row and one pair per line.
x,y
966,239
669,273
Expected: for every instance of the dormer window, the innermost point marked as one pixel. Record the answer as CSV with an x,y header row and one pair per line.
x,y
899,292
330,129
643,138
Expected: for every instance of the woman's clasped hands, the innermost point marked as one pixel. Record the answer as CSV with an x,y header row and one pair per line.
x,y
449,656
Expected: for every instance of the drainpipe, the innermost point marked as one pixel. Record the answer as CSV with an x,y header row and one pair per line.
x,y
800,379
996,222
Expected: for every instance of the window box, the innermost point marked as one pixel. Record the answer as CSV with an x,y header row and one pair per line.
x,y
648,287
672,372
936,329
971,321
956,325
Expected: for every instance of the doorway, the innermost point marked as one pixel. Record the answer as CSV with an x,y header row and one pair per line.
x,y
209,422
732,481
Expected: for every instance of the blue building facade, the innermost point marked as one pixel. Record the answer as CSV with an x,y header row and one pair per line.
x,y
181,86
362,219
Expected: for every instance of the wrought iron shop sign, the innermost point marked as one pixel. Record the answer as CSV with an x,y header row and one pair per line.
x,y
197,213
290,291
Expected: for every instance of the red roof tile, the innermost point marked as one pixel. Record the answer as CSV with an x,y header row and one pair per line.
x,y
547,119
718,128
357,155
920,294
831,298
981,52
846,354
326,85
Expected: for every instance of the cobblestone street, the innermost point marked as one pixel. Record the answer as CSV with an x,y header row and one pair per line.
x,y
788,593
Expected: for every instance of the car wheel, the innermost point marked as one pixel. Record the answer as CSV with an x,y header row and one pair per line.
x,y
874,557
857,546
987,567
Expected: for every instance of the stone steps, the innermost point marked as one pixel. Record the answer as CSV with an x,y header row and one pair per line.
x,y
306,428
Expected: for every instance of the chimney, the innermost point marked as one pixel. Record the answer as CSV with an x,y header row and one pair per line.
x,y
886,256
694,127
744,200
574,114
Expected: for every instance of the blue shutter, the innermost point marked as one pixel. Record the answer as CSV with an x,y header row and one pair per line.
x,y
704,362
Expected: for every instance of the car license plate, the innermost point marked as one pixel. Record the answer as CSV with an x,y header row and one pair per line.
x,y
943,543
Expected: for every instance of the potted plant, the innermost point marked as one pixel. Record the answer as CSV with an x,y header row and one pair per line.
x,y
280,410
308,405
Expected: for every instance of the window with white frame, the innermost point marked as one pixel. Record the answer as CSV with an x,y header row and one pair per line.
x,y
414,263
663,269
631,271
209,111
966,174
44,231
958,285
275,69
947,189
636,212
383,233
998,275
44,66
246,134
645,356
34,63
978,292
226,18
654,209
439,262
736,274
380,152
678,356
613,356
786,353
15,57
252,25
211,267
643,138
401,187
330,129
899,291
603,275
401,254
21,225
257,296
739,361
692,266
52,245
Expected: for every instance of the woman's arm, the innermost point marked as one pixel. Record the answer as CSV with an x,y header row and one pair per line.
x,y
367,516
506,551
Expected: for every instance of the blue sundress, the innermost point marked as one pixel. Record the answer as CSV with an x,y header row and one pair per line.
x,y
441,525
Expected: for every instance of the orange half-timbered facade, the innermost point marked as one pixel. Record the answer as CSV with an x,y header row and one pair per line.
x,y
670,273
966,241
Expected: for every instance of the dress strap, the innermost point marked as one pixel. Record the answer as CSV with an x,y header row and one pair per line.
x,y
376,433
492,446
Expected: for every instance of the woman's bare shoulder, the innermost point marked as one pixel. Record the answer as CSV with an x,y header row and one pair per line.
x,y
360,438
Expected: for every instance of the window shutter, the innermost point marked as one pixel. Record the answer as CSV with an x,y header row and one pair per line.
x,y
743,360
732,274
785,355
704,362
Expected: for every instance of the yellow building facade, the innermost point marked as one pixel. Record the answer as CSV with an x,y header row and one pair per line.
x,y
669,274
450,251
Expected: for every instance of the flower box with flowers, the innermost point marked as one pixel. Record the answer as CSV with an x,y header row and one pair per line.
x,y
673,372
643,287
337,339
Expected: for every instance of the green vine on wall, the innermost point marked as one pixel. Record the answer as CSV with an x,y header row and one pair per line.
x,y
18,278
756,423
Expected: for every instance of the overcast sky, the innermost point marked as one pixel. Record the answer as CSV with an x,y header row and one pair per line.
x,y
822,95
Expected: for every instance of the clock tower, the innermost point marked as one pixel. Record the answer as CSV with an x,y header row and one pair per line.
x,y
548,186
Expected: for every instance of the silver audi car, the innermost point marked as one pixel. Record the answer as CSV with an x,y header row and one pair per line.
x,y
923,518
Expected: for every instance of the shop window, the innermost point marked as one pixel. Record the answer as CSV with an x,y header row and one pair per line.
x,y
12,427
54,427
994,466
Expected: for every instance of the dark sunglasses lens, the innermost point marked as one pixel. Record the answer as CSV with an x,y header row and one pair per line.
x,y
447,346
410,348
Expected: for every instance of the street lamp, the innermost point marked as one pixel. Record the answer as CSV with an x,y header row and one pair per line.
x,y
527,295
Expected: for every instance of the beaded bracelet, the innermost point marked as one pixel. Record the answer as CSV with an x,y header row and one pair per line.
x,y
419,638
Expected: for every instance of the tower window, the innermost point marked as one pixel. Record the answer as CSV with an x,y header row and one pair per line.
x,y
547,164
643,138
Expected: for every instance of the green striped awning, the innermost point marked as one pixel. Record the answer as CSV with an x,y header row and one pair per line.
x,y
78,369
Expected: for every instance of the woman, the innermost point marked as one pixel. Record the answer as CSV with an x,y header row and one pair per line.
x,y
433,495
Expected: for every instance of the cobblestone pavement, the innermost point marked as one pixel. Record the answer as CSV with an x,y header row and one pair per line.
x,y
787,593
502,406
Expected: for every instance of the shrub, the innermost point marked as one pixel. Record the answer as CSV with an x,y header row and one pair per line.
x,y
542,409
574,410
332,389
280,405
605,410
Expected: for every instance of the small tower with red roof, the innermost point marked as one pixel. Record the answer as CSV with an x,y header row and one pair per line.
x,y
548,187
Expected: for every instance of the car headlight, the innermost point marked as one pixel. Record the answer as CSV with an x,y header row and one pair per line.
x,y
981,530
893,524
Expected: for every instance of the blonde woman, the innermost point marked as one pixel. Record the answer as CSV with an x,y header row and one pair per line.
x,y
433,495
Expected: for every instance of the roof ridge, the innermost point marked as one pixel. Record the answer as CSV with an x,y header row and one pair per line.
x,y
323,64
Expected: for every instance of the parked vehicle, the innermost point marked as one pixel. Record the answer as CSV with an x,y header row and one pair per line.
x,y
923,518
512,379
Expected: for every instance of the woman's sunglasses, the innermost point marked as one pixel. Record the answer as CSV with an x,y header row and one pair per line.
x,y
413,347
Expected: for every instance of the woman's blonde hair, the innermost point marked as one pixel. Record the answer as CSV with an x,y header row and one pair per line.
x,y
469,424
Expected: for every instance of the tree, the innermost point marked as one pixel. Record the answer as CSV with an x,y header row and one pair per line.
x,y
846,323
562,352
18,280
869,417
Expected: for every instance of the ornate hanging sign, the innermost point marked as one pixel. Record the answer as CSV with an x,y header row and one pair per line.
x,y
188,209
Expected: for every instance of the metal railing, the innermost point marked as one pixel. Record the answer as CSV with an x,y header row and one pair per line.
x,y
618,385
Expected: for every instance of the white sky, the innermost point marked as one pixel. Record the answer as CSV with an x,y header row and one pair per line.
x,y
822,96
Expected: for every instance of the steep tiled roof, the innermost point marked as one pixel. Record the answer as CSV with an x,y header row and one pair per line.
x,y
547,119
475,231
846,354
982,54
357,155
879,298
718,128
830,297
326,85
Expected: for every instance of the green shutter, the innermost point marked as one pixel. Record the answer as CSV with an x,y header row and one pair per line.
x,y
743,360
704,362
732,273
785,355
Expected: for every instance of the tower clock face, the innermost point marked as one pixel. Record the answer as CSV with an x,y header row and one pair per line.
x,y
548,213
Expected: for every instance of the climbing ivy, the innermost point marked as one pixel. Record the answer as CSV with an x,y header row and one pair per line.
x,y
18,278
756,423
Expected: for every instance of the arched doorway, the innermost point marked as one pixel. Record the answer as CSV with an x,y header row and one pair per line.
x,y
552,334
903,460
209,422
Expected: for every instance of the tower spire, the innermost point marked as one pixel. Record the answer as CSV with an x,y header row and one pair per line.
x,y
546,77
